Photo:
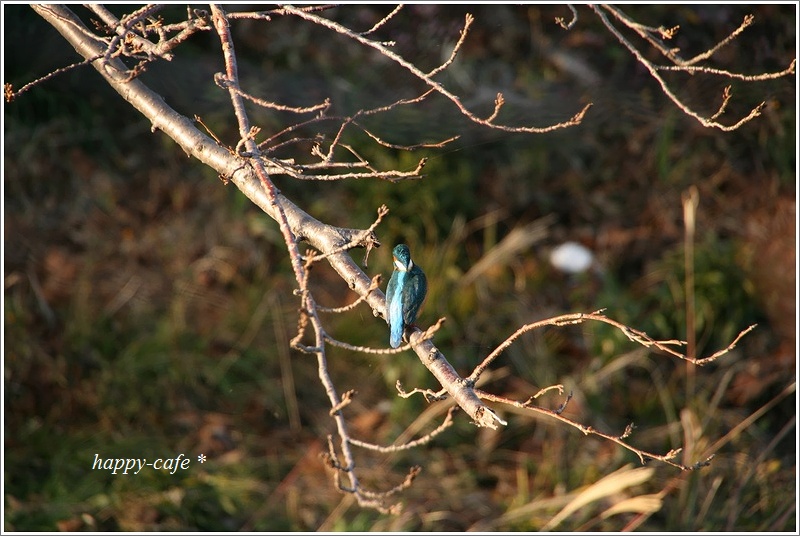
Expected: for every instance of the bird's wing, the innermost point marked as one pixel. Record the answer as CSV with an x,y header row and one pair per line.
x,y
394,307
414,292
391,295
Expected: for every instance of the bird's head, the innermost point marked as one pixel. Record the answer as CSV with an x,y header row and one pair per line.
x,y
402,258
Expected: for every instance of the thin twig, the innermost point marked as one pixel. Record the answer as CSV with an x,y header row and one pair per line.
x,y
427,438
357,239
570,24
722,72
10,94
274,105
467,23
646,33
643,455
375,285
634,335
429,394
384,20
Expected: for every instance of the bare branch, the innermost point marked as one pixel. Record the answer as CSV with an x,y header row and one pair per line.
x,y
390,175
725,350
726,97
132,43
362,349
384,20
634,335
434,145
327,159
10,94
643,455
365,238
707,122
721,72
647,33
576,119
374,286
467,23
570,24
224,84
429,394
748,20
347,398
427,438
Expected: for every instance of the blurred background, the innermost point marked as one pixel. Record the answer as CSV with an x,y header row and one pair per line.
x,y
148,307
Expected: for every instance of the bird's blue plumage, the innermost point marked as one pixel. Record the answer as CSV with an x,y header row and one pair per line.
x,y
405,294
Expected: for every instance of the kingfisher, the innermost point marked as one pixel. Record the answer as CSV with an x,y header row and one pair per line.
x,y
404,293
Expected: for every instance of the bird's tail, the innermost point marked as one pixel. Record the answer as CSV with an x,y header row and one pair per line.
x,y
396,334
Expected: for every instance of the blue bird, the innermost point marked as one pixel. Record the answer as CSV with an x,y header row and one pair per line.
x,y
404,294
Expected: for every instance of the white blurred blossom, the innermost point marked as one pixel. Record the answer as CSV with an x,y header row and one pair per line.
x,y
571,257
